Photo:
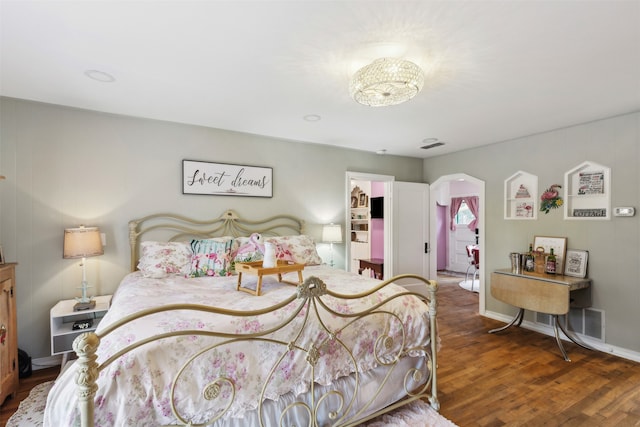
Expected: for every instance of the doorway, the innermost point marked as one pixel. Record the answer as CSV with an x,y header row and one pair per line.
x,y
442,189
355,247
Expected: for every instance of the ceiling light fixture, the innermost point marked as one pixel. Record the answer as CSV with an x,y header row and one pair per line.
x,y
386,81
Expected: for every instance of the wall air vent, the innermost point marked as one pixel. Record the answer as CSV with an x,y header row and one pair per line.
x,y
434,145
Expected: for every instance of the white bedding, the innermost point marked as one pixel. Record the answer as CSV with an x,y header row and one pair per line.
x,y
135,389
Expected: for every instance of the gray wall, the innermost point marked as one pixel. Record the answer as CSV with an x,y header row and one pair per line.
x,y
614,245
67,167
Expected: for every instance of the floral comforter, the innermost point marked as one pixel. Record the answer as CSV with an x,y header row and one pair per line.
x,y
135,389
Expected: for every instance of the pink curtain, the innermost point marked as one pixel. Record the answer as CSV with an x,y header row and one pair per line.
x,y
473,203
456,202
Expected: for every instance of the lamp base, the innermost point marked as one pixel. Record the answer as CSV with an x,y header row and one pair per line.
x,y
82,306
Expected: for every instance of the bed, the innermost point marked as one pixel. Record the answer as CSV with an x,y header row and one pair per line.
x,y
181,346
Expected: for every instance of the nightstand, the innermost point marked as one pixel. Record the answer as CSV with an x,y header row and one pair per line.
x,y
62,323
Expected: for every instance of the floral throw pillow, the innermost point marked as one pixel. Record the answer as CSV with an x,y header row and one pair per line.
x,y
301,249
211,257
161,259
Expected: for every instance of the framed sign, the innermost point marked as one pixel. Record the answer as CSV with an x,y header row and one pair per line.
x,y
576,263
223,179
559,246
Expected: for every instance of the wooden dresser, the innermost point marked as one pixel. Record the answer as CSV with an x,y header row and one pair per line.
x,y
8,333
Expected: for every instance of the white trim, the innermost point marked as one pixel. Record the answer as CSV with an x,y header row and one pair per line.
x,y
548,330
46,362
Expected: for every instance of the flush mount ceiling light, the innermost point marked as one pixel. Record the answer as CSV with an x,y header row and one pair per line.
x,y
386,81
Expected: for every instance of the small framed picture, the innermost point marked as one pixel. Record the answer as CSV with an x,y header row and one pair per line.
x,y
576,263
1,256
363,200
559,246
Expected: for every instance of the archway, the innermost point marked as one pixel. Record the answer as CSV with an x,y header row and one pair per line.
x,y
435,189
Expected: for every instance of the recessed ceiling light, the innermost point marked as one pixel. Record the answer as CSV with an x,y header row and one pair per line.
x,y
383,151
100,76
312,118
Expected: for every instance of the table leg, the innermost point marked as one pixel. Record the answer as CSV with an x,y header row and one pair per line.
x,y
239,281
555,331
557,325
259,285
300,277
517,319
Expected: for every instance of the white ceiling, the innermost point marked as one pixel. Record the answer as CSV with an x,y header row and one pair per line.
x,y
496,70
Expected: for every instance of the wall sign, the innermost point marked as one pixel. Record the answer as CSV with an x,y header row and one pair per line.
x,y
223,179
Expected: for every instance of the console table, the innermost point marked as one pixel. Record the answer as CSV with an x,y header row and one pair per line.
x,y
543,293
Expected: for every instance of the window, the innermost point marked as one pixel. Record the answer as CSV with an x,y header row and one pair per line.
x,y
464,215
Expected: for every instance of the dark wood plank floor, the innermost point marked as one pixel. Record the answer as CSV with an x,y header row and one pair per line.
x,y
515,378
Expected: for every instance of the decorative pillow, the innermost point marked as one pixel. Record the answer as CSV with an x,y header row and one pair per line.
x,y
161,259
248,248
211,257
301,249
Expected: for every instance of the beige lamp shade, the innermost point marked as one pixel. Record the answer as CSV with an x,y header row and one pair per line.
x,y
332,233
82,242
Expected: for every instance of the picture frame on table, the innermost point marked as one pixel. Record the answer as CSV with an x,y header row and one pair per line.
x,y
559,246
576,263
1,256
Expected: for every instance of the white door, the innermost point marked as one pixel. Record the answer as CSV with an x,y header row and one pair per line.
x,y
409,230
459,240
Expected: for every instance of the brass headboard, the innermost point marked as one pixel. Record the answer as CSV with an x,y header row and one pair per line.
x,y
177,227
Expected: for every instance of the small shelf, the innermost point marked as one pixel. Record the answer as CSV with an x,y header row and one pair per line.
x,y
587,192
520,196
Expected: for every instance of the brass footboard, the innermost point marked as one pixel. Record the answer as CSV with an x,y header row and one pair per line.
x,y
310,308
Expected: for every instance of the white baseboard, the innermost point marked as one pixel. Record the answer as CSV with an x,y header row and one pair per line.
x,y
46,362
548,330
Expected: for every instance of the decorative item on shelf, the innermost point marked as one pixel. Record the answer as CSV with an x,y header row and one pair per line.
x,y
332,233
82,242
386,81
82,324
522,192
550,199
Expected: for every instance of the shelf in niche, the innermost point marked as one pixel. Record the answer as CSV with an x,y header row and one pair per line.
x,y
520,196
587,192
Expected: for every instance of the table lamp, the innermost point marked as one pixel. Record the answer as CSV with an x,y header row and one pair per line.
x,y
82,242
332,233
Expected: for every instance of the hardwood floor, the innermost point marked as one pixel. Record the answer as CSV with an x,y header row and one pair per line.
x,y
514,378
518,377
10,405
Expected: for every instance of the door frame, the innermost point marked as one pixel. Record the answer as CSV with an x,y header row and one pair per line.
x,y
362,176
433,211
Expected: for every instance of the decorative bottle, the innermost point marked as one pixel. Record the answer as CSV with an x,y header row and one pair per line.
x,y
550,267
530,263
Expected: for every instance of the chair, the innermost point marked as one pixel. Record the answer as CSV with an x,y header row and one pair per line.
x,y
473,252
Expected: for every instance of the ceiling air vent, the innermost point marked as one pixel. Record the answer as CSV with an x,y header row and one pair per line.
x,y
434,145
